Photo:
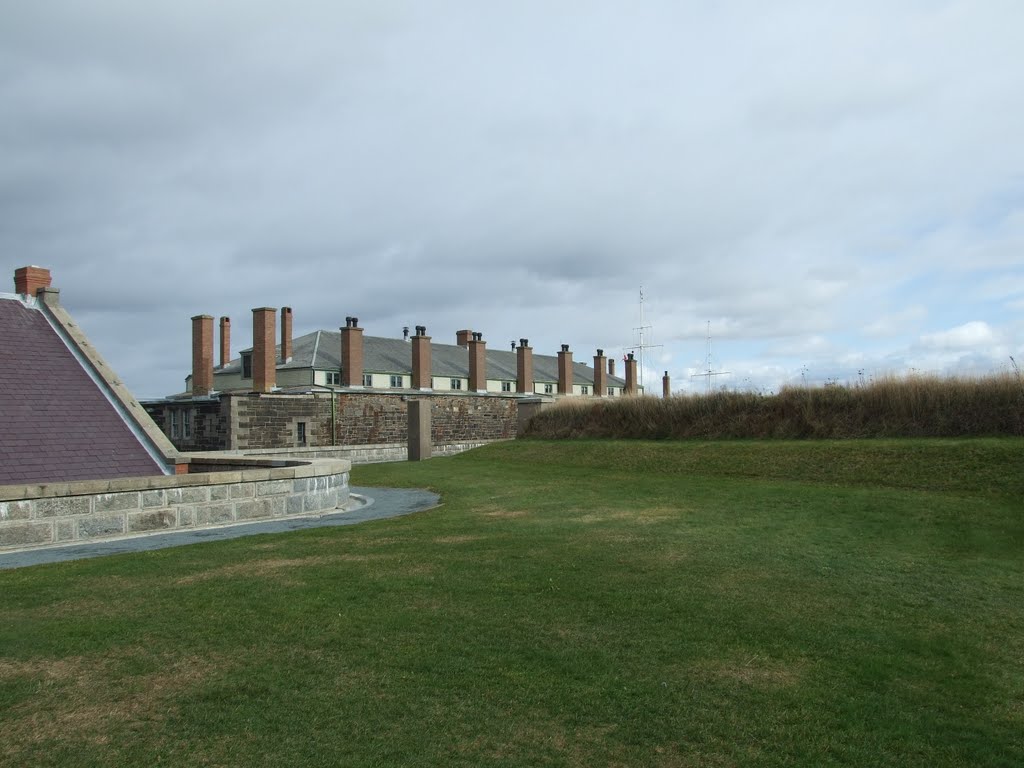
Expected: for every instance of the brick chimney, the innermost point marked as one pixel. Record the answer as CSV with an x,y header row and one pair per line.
x,y
202,355
611,366
462,338
477,363
421,359
600,377
565,371
286,334
630,375
524,368
28,280
351,353
225,341
264,353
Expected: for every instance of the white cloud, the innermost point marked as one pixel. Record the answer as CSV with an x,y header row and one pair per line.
x,y
968,336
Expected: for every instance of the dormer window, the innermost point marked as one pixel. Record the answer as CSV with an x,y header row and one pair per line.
x,y
247,365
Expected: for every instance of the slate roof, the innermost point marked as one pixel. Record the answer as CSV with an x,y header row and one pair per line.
x,y
322,350
56,425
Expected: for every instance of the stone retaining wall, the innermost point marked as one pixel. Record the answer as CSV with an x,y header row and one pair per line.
x,y
359,454
223,491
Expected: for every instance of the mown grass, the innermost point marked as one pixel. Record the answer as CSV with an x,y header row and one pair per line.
x,y
587,603
915,406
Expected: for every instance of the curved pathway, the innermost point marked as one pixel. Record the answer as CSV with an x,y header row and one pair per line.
x,y
371,504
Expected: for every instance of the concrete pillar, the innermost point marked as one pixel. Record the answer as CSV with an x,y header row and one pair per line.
x,y
419,430
524,367
600,375
202,355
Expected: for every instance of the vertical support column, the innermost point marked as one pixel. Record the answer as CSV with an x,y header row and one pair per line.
x,y
631,388
524,367
264,358
565,376
202,355
419,430
351,353
225,341
421,378
666,386
477,363
286,334
600,375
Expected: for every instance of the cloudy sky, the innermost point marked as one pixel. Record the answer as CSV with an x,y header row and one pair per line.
x,y
836,187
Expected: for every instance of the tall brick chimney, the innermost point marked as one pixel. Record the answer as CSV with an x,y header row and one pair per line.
x,y
264,352
225,341
477,363
202,355
351,353
462,338
600,376
28,280
630,375
611,366
286,334
666,386
421,359
524,367
565,371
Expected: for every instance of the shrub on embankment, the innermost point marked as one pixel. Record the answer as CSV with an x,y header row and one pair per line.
x,y
917,406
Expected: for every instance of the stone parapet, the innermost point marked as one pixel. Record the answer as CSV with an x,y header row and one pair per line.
x,y
218,491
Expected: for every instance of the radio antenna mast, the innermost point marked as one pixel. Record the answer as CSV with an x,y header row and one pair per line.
x,y
709,373
643,345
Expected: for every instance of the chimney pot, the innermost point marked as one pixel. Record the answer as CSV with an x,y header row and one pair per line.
x,y
421,368
29,280
286,334
225,341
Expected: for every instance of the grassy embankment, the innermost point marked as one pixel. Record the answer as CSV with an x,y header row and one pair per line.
x,y
581,604
916,406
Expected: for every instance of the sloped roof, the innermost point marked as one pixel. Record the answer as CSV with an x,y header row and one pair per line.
x,y
322,350
56,425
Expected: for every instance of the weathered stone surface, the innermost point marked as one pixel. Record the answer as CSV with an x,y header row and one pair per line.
x,y
96,526
115,502
274,487
243,490
67,530
63,506
25,534
15,510
301,485
214,514
195,495
152,520
154,499
293,504
319,502
259,508
219,492
186,517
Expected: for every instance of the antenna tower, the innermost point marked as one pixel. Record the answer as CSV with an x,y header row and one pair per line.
x,y
642,345
709,373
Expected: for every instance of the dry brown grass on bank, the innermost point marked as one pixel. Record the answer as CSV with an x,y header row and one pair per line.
x,y
917,406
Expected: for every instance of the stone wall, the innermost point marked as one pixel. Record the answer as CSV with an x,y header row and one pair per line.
x,y
346,418
221,492
360,454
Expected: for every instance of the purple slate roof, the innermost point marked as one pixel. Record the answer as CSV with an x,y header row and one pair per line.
x,y
55,423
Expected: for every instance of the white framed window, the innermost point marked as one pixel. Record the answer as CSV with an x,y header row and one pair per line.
x,y
456,383
548,389
333,378
506,386
611,391
300,434
396,381
584,390
367,379
175,429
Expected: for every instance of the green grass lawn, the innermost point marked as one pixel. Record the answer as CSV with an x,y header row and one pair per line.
x,y
571,603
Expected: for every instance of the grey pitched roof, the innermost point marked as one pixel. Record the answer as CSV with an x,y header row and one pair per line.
x,y
322,350
57,425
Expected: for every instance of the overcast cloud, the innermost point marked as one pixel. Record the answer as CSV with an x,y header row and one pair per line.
x,y
837,188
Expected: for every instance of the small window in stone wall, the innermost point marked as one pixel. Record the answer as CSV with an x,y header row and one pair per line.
x,y
247,365
186,423
506,386
396,382
300,434
456,383
175,429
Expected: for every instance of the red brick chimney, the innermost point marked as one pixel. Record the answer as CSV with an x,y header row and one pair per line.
x,y
524,367
202,355
286,334
462,338
600,376
630,375
225,341
477,363
264,357
611,366
351,353
565,371
28,280
421,359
